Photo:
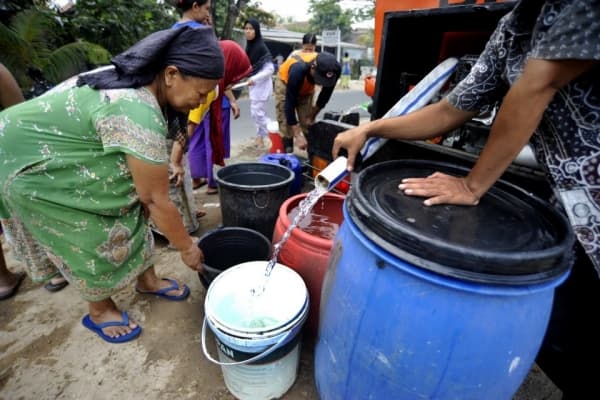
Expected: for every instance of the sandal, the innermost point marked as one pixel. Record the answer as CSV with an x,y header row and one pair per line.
x,y
198,183
56,287
97,328
164,291
212,190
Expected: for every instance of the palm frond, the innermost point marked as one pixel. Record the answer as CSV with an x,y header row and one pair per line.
x,y
96,54
15,54
37,29
73,58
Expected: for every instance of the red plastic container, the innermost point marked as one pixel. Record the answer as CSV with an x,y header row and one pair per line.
x,y
276,143
308,253
370,85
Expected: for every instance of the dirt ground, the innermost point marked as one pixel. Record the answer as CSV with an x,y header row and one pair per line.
x,y
46,353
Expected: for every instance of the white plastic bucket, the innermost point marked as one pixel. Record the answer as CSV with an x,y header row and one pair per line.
x,y
257,337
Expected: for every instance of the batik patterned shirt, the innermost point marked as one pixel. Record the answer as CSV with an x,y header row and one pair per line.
x,y
567,141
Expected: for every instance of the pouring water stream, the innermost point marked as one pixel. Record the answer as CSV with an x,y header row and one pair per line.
x,y
324,182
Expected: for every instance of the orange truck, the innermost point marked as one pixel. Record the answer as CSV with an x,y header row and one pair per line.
x,y
413,36
384,6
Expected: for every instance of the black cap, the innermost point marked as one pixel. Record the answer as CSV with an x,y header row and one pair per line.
x,y
327,70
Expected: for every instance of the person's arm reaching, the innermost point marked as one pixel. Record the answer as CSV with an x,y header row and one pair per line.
x,y
177,170
151,184
265,73
425,123
519,115
235,108
292,92
322,100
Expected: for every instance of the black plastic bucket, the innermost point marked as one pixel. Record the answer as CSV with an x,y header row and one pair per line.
x,y
223,248
251,194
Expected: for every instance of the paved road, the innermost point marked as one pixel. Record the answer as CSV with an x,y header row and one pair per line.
x,y
243,129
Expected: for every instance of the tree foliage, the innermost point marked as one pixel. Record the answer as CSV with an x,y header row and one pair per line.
x,y
254,10
33,35
328,15
299,26
362,9
34,41
118,24
367,38
230,14
225,15
8,8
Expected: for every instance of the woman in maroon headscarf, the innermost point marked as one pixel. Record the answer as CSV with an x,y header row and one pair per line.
x,y
215,138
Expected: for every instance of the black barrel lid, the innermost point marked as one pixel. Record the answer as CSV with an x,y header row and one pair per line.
x,y
510,237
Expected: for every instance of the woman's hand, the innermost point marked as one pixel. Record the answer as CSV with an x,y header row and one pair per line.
x,y
352,140
176,173
193,257
235,109
299,138
440,188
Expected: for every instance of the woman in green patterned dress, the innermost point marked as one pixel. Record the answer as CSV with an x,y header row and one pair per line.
x,y
85,165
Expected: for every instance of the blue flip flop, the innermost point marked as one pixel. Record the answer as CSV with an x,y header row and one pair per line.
x,y
97,328
163,292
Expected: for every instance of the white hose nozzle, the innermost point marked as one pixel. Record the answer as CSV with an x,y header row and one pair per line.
x,y
332,174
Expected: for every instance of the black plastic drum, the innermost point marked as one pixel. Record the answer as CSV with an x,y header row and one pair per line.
x,y
510,237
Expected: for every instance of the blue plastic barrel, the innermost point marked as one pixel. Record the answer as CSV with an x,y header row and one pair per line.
x,y
443,302
290,161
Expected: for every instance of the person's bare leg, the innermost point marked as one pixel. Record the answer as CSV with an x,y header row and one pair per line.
x,y
107,311
8,280
57,280
149,282
260,142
